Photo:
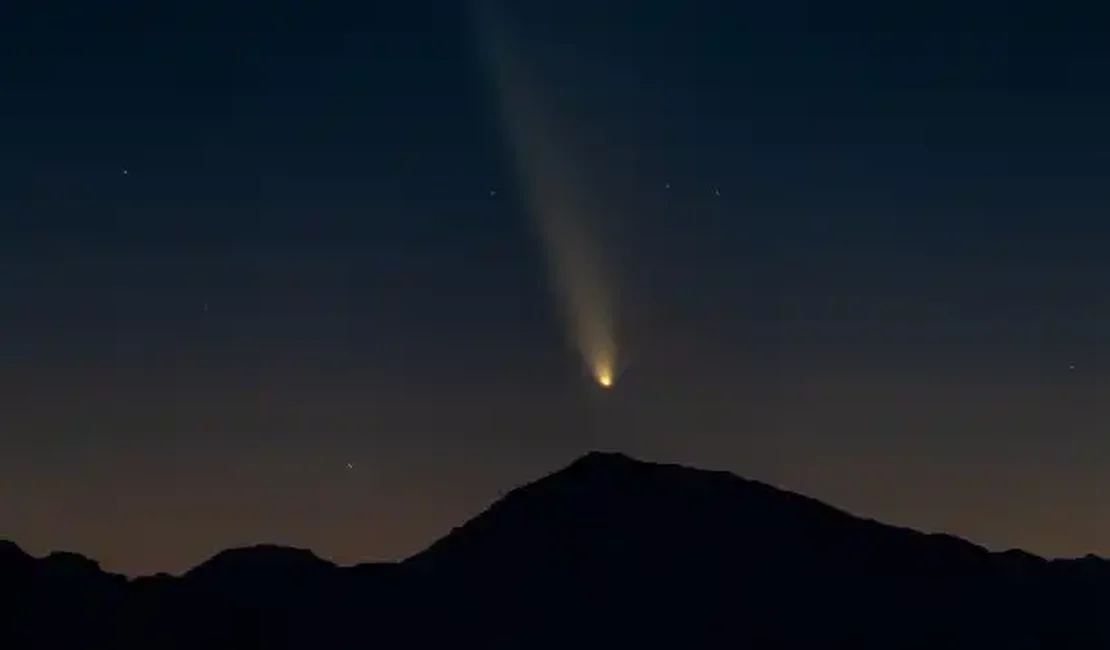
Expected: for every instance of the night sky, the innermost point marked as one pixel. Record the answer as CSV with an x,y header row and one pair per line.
x,y
268,274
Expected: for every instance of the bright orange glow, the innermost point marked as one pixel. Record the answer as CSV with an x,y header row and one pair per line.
x,y
602,369
605,379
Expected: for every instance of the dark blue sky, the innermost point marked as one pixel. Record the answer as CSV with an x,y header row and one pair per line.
x,y
895,303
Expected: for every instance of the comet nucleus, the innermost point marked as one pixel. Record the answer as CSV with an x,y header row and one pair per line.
x,y
604,377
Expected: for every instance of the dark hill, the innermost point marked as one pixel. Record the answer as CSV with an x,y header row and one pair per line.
x,y
608,552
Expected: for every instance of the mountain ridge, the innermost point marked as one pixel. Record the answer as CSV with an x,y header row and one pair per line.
x,y
609,459
608,547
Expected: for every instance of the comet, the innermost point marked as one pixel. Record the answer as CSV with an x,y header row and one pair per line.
x,y
560,210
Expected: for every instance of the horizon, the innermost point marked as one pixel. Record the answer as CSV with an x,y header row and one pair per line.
x,y
260,546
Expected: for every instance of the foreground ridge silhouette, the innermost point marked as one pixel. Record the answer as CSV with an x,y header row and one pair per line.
x,y
609,552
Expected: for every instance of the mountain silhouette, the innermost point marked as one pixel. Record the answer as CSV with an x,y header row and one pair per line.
x,y
607,552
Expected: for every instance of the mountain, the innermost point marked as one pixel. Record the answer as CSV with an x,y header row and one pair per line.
x,y
608,552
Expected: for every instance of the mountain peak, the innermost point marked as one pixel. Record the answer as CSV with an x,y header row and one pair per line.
x,y
260,558
606,500
11,549
613,460
72,561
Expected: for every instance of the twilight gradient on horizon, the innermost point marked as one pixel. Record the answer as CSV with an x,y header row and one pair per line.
x,y
895,304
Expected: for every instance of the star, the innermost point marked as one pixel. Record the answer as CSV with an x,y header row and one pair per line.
x,y
493,192
125,172
717,191
350,465
666,186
